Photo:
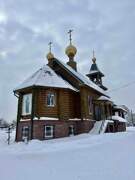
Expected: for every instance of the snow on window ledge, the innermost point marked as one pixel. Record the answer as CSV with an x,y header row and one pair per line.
x,y
46,118
25,119
75,119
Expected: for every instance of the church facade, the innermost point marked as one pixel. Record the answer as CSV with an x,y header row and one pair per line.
x,y
57,101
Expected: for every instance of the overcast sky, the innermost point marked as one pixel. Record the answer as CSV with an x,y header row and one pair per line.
x,y
26,27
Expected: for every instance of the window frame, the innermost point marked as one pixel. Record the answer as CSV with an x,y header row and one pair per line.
x,y
24,134
73,130
90,105
54,96
23,104
52,131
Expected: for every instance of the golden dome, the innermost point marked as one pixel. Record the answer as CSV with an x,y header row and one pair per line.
x,y
49,56
71,50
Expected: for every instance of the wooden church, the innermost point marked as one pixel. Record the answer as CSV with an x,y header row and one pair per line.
x,y
58,101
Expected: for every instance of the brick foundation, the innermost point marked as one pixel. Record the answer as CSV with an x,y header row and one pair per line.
x,y
119,126
61,128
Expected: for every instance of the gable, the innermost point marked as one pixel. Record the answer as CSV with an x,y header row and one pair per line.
x,y
73,77
45,77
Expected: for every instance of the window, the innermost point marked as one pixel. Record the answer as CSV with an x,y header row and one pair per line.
x,y
49,130
25,132
97,113
71,130
90,106
51,99
27,103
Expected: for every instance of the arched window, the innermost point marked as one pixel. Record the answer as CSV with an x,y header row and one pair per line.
x,y
26,105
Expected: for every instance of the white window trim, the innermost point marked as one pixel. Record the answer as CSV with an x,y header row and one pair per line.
x,y
23,106
54,95
52,131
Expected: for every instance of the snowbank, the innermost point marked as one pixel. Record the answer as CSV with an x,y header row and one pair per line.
x,y
83,157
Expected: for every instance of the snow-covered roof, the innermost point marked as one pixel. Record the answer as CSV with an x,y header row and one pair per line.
x,y
104,98
45,77
83,79
118,118
93,71
119,107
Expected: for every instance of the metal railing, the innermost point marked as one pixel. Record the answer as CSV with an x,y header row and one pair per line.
x,y
101,127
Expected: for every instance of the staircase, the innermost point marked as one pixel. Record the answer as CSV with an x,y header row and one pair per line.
x,y
99,127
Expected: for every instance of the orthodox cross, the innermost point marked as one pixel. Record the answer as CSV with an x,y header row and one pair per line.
x,y
50,46
70,35
93,53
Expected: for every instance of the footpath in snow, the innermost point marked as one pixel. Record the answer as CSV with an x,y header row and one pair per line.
x,y
83,157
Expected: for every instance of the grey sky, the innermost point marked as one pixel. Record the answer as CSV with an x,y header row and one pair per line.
x,y
26,27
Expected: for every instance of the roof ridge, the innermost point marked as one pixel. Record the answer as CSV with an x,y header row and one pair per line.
x,y
82,78
66,82
39,74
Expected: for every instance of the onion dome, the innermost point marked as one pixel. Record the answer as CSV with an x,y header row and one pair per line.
x,y
71,51
49,56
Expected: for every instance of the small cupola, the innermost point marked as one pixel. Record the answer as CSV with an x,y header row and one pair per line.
x,y
95,74
50,56
71,52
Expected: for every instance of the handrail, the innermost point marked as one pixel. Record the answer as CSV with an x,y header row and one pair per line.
x,y
101,127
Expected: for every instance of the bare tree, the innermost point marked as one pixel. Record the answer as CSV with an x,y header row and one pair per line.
x,y
3,123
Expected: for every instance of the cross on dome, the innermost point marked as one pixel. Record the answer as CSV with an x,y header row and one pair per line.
x,y
93,53
70,50
50,56
50,46
70,35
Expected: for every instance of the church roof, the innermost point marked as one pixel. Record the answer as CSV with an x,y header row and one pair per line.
x,y
84,79
118,118
94,69
120,107
45,77
104,98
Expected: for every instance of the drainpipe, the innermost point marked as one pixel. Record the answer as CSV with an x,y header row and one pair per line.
x,y
18,113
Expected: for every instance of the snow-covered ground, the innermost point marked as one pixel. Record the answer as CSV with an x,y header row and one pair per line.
x,y
83,157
